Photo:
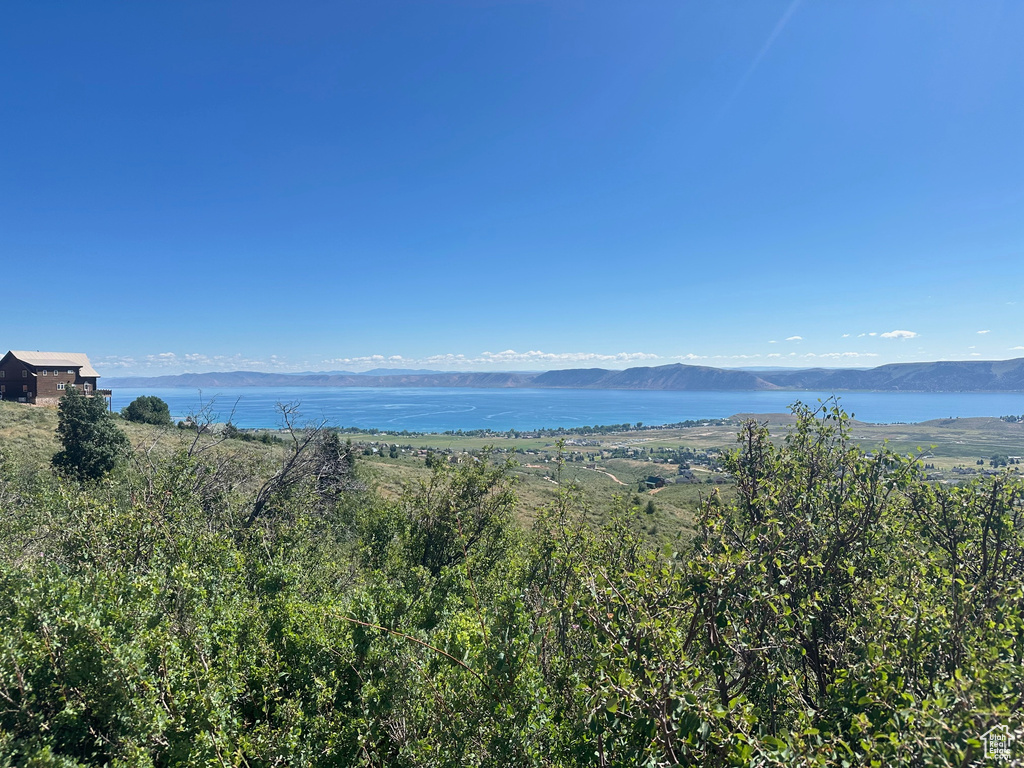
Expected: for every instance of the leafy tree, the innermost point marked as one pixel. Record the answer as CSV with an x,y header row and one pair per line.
x,y
91,442
147,409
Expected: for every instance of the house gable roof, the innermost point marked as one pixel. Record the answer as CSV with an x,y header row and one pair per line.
x,y
56,360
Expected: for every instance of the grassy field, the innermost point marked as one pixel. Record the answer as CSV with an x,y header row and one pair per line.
x,y
613,486
607,468
27,434
950,447
946,442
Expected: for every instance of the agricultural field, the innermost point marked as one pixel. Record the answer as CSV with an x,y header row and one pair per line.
x,y
609,469
946,443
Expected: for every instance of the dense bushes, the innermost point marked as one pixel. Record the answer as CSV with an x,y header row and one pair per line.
x,y
148,409
841,612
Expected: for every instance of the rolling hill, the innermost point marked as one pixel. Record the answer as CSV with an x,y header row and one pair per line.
x,y
942,376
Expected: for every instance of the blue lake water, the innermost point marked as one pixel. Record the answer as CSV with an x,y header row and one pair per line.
x,y
439,410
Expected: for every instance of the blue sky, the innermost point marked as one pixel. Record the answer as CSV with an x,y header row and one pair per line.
x,y
512,185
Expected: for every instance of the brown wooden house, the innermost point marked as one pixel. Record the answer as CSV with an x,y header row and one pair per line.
x,y
42,378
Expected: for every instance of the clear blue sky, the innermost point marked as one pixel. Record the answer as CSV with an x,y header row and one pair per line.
x,y
512,185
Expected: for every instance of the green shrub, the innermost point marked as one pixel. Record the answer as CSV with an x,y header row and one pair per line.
x,y
840,611
148,409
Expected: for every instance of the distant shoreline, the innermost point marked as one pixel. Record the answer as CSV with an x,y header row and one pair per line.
x,y
444,409
954,377
117,383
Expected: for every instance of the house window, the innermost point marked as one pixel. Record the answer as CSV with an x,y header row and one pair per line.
x,y
71,370
55,373
88,387
3,374
24,373
2,389
43,372
61,385
24,387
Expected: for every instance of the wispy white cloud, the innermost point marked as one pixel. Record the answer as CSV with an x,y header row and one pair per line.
x,y
985,331
192,362
171,362
362,360
899,335
841,355
845,336
1022,347
116,362
511,356
508,357
779,26
825,355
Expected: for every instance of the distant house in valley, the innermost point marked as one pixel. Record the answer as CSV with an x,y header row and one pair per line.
x,y
654,481
42,378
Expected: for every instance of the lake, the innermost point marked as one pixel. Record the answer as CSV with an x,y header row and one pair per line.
x,y
439,410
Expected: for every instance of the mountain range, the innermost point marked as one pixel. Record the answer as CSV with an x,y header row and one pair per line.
x,y
941,376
